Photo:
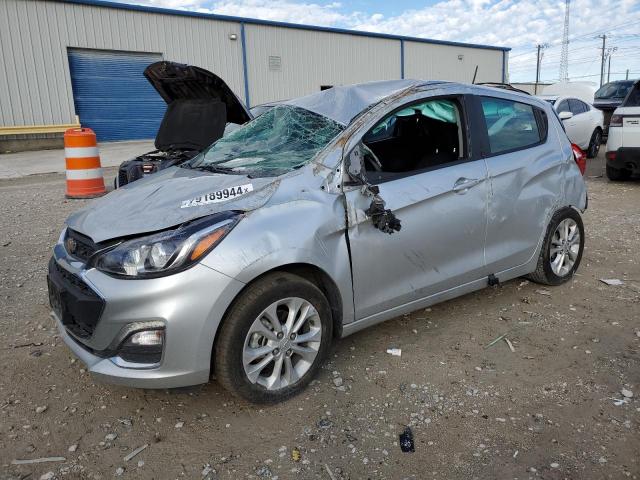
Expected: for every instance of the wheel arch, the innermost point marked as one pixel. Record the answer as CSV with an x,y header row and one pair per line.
x,y
308,271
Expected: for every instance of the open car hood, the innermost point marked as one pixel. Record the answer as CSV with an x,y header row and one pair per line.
x,y
199,105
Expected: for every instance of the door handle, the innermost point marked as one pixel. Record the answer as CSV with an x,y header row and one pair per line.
x,y
463,184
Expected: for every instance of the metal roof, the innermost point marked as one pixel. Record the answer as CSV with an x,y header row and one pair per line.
x,y
343,103
254,21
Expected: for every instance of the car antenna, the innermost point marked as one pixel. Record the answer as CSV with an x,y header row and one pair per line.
x,y
473,82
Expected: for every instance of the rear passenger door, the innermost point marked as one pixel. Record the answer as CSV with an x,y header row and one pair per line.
x,y
525,173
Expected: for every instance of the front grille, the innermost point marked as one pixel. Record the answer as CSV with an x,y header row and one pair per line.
x,y
123,179
77,305
79,246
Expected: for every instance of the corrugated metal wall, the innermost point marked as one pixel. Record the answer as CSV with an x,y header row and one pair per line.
x,y
35,87
310,59
35,84
440,62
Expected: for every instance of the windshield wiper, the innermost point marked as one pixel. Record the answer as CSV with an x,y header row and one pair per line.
x,y
213,168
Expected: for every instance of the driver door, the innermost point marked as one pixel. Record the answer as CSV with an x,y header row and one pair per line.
x,y
441,202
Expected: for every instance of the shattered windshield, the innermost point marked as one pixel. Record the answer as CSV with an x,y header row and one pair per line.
x,y
280,140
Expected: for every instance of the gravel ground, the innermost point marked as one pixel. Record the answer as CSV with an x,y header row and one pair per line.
x,y
551,408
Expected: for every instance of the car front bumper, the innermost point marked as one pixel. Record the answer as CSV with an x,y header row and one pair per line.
x,y
625,158
187,306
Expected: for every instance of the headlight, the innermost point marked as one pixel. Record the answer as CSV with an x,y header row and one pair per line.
x,y
165,252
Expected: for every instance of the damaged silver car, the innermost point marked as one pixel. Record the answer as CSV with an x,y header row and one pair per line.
x,y
324,215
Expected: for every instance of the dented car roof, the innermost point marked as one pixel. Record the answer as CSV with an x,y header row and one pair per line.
x,y
343,103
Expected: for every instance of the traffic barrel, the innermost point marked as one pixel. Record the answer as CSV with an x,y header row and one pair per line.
x,y
84,172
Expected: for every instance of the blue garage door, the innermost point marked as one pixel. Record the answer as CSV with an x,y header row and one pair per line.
x,y
112,96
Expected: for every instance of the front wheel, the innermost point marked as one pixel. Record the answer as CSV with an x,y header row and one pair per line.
x,y
274,338
562,248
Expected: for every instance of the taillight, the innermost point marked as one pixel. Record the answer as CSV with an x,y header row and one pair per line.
x,y
580,157
611,156
616,121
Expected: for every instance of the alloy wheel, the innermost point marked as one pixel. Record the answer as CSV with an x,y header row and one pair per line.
x,y
565,247
282,343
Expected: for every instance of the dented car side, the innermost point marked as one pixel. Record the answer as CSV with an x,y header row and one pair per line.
x,y
329,246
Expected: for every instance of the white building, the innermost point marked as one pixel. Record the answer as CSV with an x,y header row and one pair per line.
x,y
65,61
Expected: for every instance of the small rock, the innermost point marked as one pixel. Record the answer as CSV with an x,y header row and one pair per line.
x,y
207,470
264,472
47,476
337,381
140,463
119,471
110,437
555,465
626,393
73,447
602,460
179,424
41,409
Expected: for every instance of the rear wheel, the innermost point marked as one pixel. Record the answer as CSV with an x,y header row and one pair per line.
x,y
617,175
562,248
274,339
594,144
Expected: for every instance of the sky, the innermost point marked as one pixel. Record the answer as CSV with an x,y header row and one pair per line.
x,y
518,24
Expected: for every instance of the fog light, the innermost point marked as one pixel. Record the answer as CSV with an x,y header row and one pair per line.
x,y
149,337
143,347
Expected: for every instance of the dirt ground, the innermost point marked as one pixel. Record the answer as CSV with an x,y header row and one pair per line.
x,y
547,409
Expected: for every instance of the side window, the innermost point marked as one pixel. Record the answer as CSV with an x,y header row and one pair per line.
x,y
633,98
416,137
563,107
576,106
511,125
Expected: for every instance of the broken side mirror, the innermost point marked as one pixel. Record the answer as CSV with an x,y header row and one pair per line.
x,y
382,219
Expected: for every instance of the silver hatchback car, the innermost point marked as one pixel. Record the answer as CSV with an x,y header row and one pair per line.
x,y
325,215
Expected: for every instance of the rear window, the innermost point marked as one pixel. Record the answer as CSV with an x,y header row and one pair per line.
x,y
512,125
614,90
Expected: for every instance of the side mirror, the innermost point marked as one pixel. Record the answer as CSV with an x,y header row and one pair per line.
x,y
565,115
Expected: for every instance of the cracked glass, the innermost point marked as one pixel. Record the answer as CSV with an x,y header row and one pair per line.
x,y
280,140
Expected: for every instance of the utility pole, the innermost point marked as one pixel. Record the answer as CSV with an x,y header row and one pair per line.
x,y
564,54
627,77
608,56
604,40
538,65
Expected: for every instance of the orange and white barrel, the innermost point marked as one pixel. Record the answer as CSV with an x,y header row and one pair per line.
x,y
84,172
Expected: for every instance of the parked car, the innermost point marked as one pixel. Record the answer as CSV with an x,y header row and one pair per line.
x,y
623,144
609,97
200,109
325,215
583,122
584,91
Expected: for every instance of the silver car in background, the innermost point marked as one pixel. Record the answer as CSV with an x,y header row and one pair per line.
x,y
325,215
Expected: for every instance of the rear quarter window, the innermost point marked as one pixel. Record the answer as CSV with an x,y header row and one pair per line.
x,y
513,125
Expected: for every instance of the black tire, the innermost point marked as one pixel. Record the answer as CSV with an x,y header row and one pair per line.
x,y
245,310
617,175
544,273
594,144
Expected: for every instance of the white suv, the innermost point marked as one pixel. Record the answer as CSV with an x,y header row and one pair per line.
x,y
623,144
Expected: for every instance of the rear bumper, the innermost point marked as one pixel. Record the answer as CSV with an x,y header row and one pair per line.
x,y
624,158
